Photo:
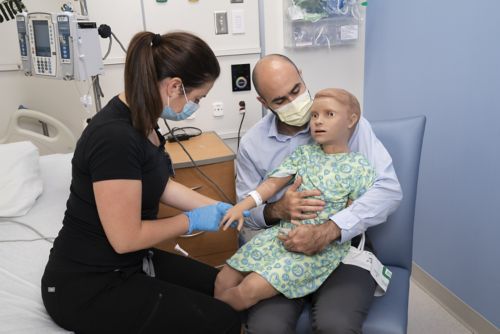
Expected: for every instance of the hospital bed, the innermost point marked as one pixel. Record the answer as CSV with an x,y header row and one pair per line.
x,y
22,262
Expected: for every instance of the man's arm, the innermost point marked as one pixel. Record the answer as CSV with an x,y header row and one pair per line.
x,y
247,179
379,201
293,205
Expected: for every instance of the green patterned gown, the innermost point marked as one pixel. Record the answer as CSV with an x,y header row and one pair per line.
x,y
339,177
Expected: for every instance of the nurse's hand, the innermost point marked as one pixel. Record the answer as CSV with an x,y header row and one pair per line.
x,y
207,218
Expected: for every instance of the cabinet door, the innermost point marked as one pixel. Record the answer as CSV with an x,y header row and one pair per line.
x,y
221,173
212,248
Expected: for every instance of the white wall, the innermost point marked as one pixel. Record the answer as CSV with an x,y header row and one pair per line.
x,y
340,66
61,99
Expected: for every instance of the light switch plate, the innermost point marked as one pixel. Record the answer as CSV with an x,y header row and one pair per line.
x,y
238,21
220,23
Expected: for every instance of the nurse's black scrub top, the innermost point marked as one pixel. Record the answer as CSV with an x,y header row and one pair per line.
x,y
110,148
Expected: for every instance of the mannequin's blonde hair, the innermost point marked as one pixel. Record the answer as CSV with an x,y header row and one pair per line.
x,y
343,97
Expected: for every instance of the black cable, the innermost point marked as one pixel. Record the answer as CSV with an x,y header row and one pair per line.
x,y
109,48
221,192
184,135
105,32
242,111
120,43
239,131
99,88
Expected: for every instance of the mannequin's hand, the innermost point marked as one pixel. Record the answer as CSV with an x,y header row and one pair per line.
x,y
234,217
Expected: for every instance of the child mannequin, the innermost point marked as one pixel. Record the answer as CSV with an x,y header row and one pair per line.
x,y
263,268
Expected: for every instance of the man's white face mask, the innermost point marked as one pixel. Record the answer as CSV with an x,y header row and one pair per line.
x,y
297,112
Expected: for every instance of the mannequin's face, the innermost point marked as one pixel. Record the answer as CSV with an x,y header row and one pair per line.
x,y
331,122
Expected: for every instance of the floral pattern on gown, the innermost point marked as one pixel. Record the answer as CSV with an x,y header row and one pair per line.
x,y
339,177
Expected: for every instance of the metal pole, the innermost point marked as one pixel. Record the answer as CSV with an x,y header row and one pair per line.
x,y
262,40
83,7
97,92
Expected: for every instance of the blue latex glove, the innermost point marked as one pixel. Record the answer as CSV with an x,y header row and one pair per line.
x,y
223,207
207,218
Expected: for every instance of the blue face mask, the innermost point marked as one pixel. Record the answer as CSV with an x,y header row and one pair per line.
x,y
189,108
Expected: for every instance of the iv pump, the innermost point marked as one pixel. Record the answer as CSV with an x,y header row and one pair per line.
x,y
58,46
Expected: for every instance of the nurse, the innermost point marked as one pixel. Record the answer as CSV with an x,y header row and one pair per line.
x,y
102,275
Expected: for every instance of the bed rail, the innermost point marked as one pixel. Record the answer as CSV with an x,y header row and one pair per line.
x,y
62,141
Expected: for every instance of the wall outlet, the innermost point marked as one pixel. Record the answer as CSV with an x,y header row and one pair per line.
x,y
218,109
242,107
221,23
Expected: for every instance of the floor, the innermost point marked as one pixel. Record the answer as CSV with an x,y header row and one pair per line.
x,y
426,316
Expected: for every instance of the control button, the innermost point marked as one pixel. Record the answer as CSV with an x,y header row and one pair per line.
x,y
241,82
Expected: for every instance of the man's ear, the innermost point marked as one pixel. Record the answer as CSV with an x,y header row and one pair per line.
x,y
353,119
261,100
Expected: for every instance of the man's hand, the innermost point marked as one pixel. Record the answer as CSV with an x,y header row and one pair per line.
x,y
294,205
310,239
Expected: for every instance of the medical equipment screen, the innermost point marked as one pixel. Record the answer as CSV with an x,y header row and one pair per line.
x,y
42,39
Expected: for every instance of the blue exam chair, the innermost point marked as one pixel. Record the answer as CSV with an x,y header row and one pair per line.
x,y
393,240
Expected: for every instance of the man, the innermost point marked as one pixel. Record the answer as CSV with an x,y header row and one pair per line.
x,y
342,302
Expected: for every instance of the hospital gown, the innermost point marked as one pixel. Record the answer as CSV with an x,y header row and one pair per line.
x,y
339,177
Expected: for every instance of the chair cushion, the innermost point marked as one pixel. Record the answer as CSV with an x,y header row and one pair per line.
x,y
388,314
393,240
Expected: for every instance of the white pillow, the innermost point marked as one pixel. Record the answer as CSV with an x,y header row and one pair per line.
x,y
20,179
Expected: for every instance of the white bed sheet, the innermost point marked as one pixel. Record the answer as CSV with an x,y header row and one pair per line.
x,y
22,263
